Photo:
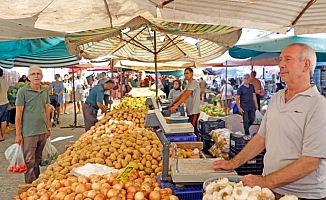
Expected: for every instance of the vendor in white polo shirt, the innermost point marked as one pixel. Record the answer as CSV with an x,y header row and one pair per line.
x,y
293,131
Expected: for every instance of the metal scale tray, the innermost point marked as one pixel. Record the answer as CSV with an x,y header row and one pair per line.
x,y
181,128
196,170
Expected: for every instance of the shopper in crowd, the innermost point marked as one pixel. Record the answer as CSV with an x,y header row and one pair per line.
x,y
66,95
23,79
94,102
247,104
4,103
203,86
175,93
226,92
138,82
80,87
292,131
257,85
103,79
57,89
184,83
124,83
159,83
191,95
213,86
32,121
129,83
95,82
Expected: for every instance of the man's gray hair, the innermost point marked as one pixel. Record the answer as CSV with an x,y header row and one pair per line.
x,y
34,67
307,53
246,75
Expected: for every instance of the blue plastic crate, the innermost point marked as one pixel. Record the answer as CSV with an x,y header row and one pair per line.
x,y
205,127
182,138
186,192
207,142
177,119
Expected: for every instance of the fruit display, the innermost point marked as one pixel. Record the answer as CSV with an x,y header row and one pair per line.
x,y
132,103
213,110
13,92
222,188
13,89
107,187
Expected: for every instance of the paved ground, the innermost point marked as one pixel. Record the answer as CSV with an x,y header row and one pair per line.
x,y
10,181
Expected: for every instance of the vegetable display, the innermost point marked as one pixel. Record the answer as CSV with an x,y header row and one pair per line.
x,y
136,187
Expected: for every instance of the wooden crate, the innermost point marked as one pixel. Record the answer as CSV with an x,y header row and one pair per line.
x,y
24,187
190,145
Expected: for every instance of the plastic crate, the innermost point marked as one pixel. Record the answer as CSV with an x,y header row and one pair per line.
x,y
207,142
178,119
186,192
237,143
205,127
182,138
253,166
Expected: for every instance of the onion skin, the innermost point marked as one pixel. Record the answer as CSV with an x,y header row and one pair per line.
x,y
99,197
154,195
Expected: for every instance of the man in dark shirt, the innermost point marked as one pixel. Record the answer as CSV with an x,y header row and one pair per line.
x,y
94,102
247,103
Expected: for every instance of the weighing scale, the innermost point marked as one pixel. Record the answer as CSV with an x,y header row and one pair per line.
x,y
183,171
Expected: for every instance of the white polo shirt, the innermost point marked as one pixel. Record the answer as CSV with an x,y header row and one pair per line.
x,y
292,130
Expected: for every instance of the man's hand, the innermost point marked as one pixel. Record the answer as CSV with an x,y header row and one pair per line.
x,y
19,139
241,110
48,134
174,109
170,105
252,180
224,165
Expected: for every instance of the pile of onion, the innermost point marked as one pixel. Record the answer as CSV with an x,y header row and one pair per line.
x,y
135,187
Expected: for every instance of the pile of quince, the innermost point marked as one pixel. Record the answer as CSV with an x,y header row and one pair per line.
x,y
213,111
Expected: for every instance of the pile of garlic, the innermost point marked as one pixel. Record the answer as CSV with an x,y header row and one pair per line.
x,y
223,189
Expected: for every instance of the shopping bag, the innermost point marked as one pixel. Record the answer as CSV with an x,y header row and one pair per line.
x,y
49,153
17,162
258,117
10,151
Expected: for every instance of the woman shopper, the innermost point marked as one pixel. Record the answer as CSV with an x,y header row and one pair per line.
x,y
175,93
226,92
58,90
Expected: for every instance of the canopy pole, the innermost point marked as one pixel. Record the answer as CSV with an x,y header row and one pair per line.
x,y
74,124
225,88
155,62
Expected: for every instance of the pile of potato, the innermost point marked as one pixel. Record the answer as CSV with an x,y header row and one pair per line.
x,y
136,116
137,145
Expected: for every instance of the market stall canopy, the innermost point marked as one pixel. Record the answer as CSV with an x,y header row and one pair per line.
x,y
174,65
15,48
305,16
264,59
276,43
135,41
57,56
14,30
76,15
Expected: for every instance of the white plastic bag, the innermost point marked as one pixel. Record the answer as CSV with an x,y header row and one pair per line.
x,y
258,117
49,153
17,162
10,151
89,169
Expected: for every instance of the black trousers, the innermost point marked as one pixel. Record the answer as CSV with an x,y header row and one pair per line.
x,y
106,99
